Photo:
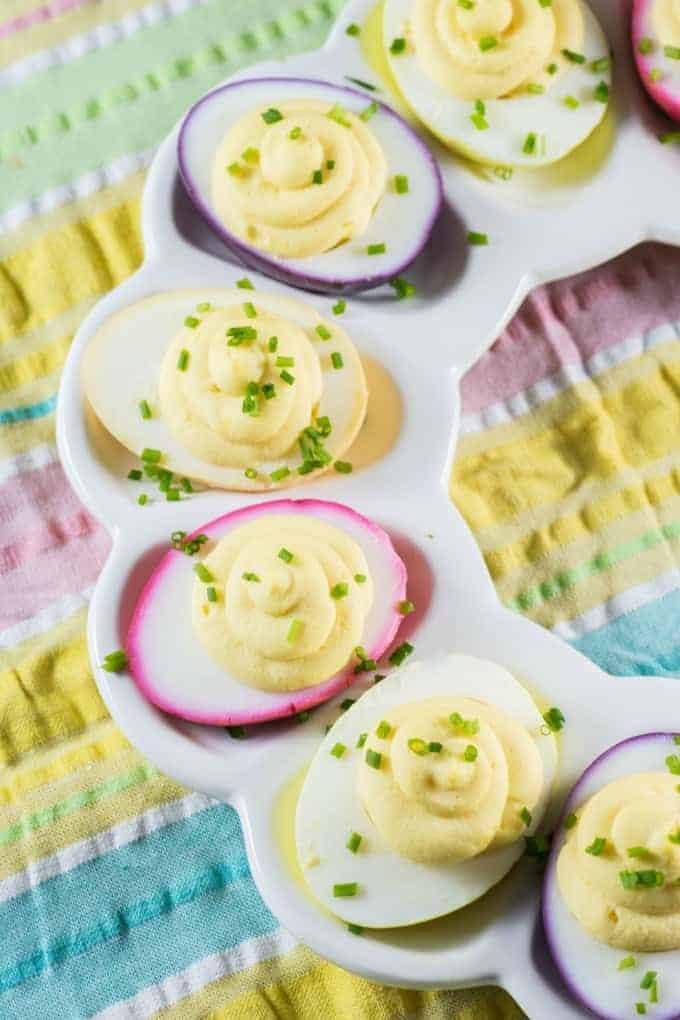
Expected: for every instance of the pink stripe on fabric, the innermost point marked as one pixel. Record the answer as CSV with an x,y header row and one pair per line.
x,y
40,15
34,500
50,535
571,320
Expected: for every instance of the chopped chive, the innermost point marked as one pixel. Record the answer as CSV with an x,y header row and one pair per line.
x,y
303,716
434,747
383,729
115,662
674,837
340,590
237,732
360,578
284,362
402,288
572,57
272,115
354,929
545,3
401,185
250,576
368,112
339,115
597,847
343,467
467,5
295,133
250,155
330,164
236,170
354,842
534,89
287,377
151,456
470,727
338,750
479,121
346,703
626,963
673,764
525,815
398,45
361,739
655,74
571,820
638,852
376,249
245,284
601,92
400,653
529,147
554,719
183,360
202,573
142,499
646,45
504,173
648,980
285,554
204,306
144,409
211,594
536,846
323,332
487,43
192,322
352,29
273,343
571,102
317,177
294,631
250,473
672,52
345,889
646,879
640,1008
405,607
339,307
373,758
236,335
362,84
134,474
470,753
476,238
151,470
552,69
336,359
600,65
249,310
417,745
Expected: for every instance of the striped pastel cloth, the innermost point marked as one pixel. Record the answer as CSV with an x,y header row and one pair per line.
x,y
123,895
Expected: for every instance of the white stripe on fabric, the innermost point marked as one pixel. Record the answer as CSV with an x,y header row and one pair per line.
x,y
626,602
505,411
31,460
200,974
95,39
48,617
106,176
129,831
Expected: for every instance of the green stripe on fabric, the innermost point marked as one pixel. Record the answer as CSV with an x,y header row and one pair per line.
x,y
568,579
68,806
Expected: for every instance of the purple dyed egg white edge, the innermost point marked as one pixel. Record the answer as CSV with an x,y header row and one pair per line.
x,y
307,273
264,706
665,92
550,890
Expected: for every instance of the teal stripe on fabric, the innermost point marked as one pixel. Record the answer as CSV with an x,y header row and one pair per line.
x,y
639,643
30,411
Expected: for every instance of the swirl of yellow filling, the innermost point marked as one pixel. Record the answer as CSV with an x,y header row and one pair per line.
x,y
288,610
666,21
221,390
493,48
619,869
298,179
453,779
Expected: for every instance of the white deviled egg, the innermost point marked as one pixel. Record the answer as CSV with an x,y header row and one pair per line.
x,y
420,796
506,82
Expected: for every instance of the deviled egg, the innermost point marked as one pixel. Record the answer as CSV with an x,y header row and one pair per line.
x,y
233,388
317,185
284,602
656,45
420,796
611,898
505,82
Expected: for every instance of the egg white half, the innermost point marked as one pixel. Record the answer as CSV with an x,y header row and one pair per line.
x,y
558,128
589,967
122,367
395,891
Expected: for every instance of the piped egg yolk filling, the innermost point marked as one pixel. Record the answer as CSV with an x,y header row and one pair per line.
x,y
453,778
286,610
299,178
666,21
493,48
619,869
225,385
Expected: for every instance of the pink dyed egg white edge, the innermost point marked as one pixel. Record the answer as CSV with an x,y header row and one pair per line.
x,y
666,91
583,963
161,643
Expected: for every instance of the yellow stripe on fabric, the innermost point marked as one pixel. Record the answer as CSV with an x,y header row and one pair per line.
x,y
72,263
33,366
23,436
326,990
50,33
592,520
69,630
594,441
48,696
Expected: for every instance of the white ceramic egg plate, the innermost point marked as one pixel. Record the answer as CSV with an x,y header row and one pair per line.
x,y
465,297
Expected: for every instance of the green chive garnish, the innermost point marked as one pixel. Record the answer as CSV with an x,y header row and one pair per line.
x,y
330,164
554,719
656,74
134,474
362,84
398,45
470,727
340,590
202,573
250,155
354,929
672,52
376,249
571,820
405,607
361,739
600,65
534,89
552,68
236,170
279,474
245,284
647,879
249,310
250,576
354,842
183,360
339,115
417,745
237,732
368,112
470,753
648,980
323,332
295,133
626,963
250,473
572,57
646,45
272,115
336,359
571,102
211,594
151,456
339,307
186,485
285,554
601,92
373,758
142,499
402,288
273,343
144,409
434,747
115,662
287,377
525,815
204,306
529,147
352,29
400,653
360,578
294,631
317,177
487,43
476,238
337,750
597,847
673,764
346,889
343,467
236,335
638,852
283,361
383,729
467,5
401,184
192,322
